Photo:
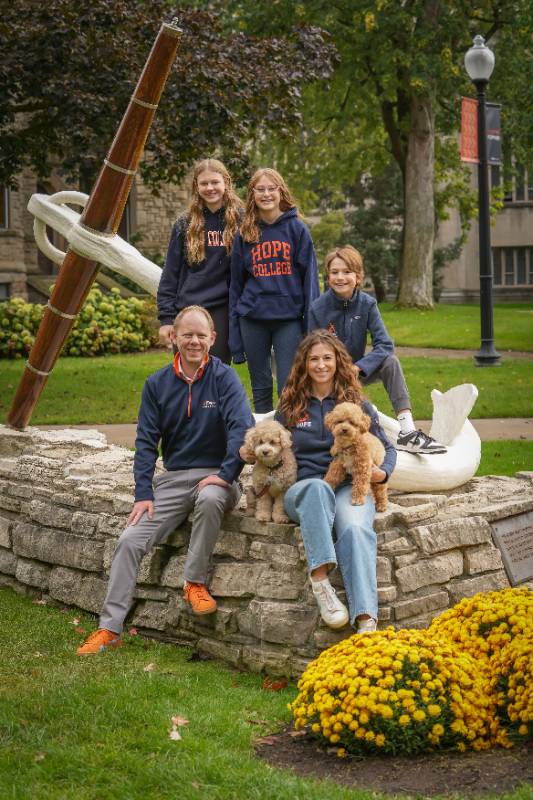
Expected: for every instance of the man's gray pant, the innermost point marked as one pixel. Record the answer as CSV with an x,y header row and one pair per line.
x,y
175,496
391,375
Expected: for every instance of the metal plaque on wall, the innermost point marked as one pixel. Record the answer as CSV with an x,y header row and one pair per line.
x,y
514,538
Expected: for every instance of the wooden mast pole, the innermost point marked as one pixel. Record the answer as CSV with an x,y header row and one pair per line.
x,y
102,215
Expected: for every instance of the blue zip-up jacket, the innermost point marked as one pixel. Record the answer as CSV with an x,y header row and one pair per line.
x,y
312,441
199,425
275,278
350,320
184,284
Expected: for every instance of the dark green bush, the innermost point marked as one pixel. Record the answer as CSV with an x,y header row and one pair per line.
x,y
107,323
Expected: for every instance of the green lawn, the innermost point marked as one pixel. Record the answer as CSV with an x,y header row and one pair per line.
x,y
505,458
96,728
108,389
459,326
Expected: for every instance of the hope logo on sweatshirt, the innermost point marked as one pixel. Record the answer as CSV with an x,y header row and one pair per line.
x,y
215,238
304,421
209,404
271,258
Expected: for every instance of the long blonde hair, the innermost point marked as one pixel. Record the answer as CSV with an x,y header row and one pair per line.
x,y
296,395
196,222
250,231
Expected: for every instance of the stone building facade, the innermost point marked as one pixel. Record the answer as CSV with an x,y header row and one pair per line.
x,y
511,242
65,496
26,272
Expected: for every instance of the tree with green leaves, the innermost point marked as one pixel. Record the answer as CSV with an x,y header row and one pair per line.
x,y
395,94
68,71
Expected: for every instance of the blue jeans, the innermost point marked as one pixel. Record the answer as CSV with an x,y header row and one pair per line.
x,y
259,337
319,511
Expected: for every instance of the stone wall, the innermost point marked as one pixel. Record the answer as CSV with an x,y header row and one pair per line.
x,y
65,496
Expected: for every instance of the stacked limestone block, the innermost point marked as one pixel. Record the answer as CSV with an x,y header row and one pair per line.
x,y
65,497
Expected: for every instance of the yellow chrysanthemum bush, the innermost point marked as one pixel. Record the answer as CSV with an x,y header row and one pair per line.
x,y
497,630
396,692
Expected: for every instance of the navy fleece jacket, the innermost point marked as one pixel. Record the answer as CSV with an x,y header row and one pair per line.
x,y
312,441
184,284
275,278
205,433
350,320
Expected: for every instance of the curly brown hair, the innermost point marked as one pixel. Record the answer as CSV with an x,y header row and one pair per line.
x,y
250,230
353,260
295,397
232,213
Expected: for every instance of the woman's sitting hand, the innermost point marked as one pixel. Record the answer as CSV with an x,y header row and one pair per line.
x,y
247,456
378,475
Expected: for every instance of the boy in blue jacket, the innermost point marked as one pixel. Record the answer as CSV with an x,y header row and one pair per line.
x,y
198,409
350,313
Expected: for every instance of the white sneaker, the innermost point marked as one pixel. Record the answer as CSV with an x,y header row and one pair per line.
x,y
332,611
419,443
366,625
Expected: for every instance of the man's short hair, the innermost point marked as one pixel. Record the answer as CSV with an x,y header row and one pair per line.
x,y
200,310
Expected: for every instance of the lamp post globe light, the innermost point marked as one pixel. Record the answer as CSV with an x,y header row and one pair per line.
x,y
479,63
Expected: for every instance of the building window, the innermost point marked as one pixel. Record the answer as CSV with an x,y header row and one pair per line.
x,y
4,206
518,188
125,228
512,266
4,291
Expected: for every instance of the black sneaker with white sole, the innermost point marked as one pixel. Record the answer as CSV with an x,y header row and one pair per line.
x,y
419,443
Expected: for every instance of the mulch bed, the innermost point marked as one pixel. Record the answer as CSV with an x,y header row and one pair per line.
x,y
463,774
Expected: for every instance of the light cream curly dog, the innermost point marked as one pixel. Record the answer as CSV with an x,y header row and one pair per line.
x,y
354,452
274,470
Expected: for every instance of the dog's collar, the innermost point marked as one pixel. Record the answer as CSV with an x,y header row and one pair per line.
x,y
264,490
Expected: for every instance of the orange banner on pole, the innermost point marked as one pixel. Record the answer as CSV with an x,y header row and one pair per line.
x,y
469,151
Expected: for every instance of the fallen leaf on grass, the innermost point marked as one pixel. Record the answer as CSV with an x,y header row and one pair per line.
x,y
79,630
179,721
75,621
39,756
257,721
133,632
174,734
149,668
274,686
266,739
39,602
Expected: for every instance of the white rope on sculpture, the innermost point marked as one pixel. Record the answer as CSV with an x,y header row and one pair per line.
x,y
107,249
413,473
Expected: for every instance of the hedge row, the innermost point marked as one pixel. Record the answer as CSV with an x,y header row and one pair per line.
x,y
107,323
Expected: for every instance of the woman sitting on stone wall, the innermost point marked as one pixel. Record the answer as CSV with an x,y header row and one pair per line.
x,y
322,376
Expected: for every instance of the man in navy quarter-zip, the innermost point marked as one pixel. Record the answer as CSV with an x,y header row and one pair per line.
x,y
198,410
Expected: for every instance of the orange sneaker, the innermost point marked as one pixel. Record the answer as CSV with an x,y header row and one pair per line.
x,y
199,598
98,641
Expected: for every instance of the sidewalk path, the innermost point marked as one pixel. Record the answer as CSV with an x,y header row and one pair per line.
x,y
488,429
437,352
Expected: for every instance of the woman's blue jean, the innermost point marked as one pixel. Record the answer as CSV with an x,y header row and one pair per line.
x,y
320,511
259,337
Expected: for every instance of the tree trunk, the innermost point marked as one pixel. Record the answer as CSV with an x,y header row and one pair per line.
x,y
416,276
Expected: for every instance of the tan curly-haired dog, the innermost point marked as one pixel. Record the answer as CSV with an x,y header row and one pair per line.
x,y
354,452
274,470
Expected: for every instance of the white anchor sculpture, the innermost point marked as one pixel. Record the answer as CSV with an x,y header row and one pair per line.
x,y
413,473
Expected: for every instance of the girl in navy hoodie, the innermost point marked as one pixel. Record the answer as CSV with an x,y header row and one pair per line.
x,y
274,280
197,266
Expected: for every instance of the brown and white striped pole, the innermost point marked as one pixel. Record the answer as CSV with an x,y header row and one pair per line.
x,y
102,216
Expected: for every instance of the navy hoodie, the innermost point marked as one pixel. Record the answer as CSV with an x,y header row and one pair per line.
x,y
350,320
184,284
275,278
312,441
199,425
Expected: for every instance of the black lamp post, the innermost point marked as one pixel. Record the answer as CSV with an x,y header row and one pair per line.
x,y
479,63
